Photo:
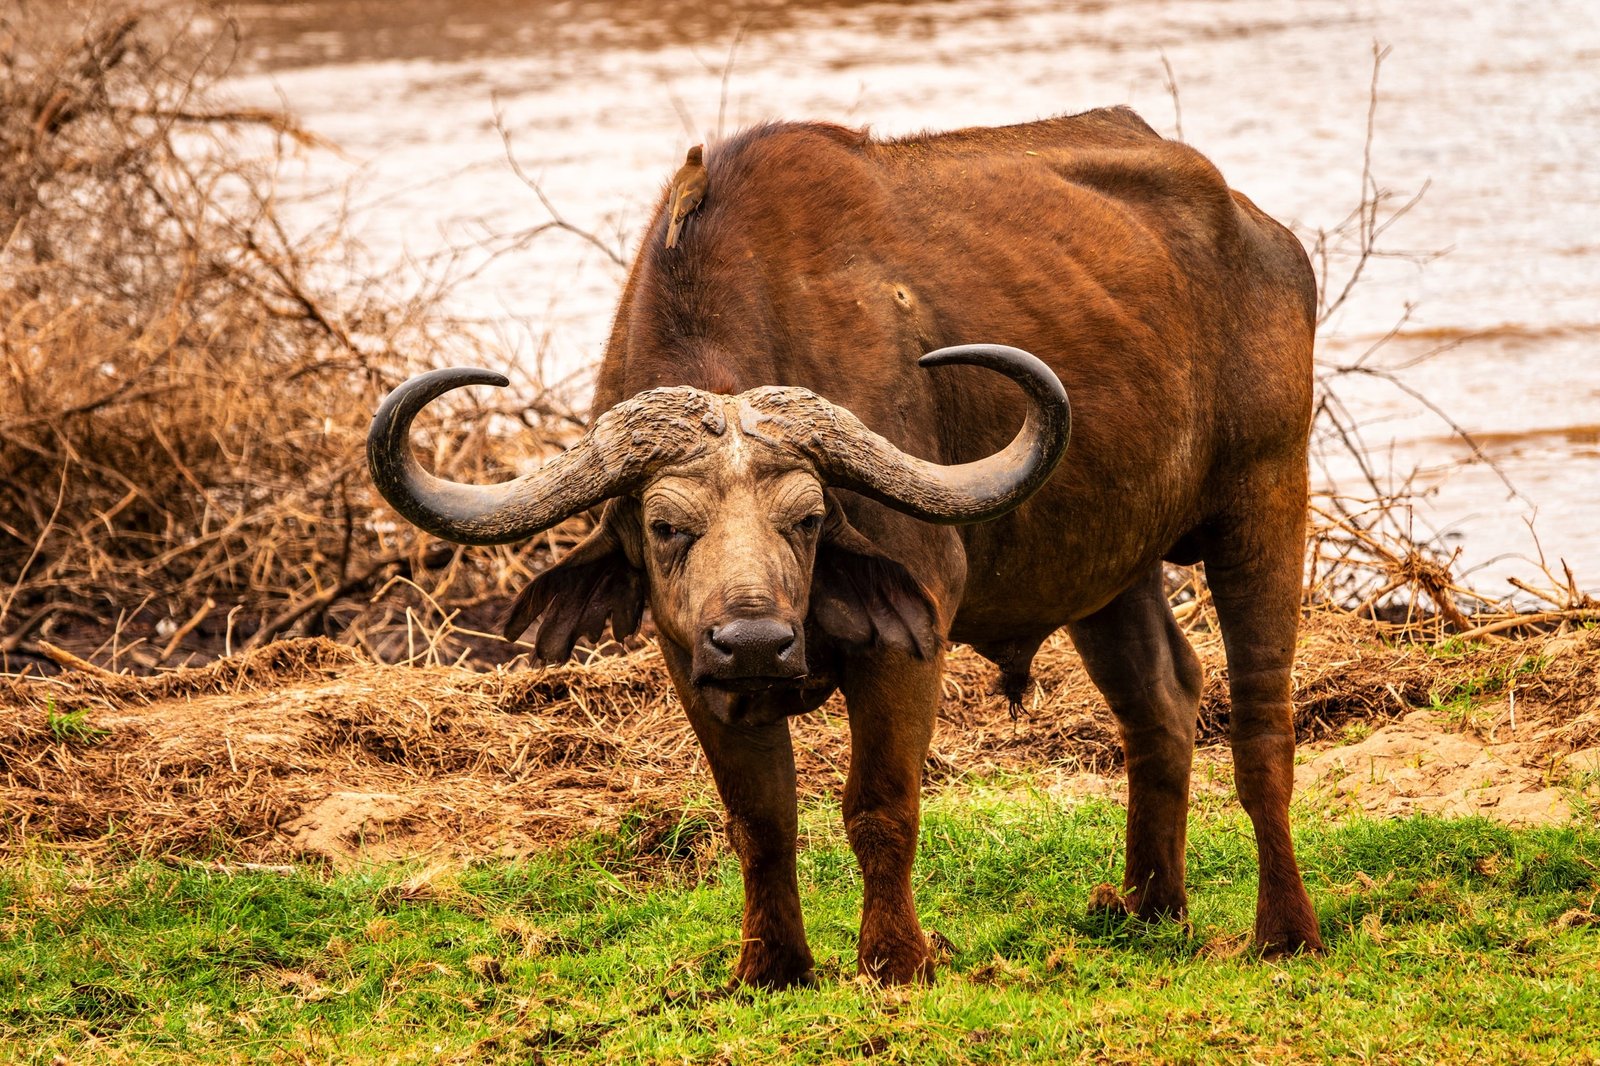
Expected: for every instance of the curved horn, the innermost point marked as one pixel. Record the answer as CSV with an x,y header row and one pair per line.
x,y
618,452
851,456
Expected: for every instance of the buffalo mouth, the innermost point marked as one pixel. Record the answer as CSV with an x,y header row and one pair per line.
x,y
753,684
763,700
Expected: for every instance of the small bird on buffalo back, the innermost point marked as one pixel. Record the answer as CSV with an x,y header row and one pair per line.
x,y
688,189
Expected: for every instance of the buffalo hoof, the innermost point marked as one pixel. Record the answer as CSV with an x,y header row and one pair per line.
x,y
901,963
774,971
1283,944
1145,905
1154,905
1286,924
1277,940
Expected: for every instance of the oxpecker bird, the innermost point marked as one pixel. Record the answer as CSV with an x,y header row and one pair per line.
x,y
688,189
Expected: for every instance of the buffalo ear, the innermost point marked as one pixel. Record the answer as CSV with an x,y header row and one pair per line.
x,y
864,599
596,582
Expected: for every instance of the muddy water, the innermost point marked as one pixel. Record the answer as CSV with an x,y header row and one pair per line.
x,y
1493,107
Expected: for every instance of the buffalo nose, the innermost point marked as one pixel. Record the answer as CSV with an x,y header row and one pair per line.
x,y
754,647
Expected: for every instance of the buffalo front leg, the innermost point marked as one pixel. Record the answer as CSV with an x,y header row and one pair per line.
x,y
753,766
1140,661
892,700
1254,567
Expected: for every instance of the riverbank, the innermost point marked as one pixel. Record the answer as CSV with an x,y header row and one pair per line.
x,y
308,749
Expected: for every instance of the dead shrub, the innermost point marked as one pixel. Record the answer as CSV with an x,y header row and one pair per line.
x,y
188,382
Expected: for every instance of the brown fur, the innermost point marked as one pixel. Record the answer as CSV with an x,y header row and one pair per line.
x,y
1180,320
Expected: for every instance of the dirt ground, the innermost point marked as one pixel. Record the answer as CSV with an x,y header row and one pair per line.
x,y
306,749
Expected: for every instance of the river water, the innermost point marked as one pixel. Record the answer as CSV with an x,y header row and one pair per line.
x,y
1486,289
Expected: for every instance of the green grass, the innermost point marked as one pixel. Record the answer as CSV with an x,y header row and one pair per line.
x,y
72,727
1460,704
1447,942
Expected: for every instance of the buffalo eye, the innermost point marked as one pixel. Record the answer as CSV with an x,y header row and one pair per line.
x,y
809,524
668,533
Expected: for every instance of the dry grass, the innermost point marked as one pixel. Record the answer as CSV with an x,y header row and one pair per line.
x,y
309,747
187,382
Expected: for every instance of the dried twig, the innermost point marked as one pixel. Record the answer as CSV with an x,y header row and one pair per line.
x,y
556,219
68,661
1532,621
1170,83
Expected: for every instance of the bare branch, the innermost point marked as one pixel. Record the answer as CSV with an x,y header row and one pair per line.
x,y
556,218
1170,82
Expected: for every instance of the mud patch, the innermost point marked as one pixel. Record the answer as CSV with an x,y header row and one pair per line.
x,y
1420,764
346,823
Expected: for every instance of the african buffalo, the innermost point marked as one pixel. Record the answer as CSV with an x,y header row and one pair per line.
x,y
786,549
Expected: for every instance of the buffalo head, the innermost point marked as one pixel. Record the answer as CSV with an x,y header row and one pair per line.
x,y
717,514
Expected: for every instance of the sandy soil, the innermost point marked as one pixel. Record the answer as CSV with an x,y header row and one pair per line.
x,y
307,749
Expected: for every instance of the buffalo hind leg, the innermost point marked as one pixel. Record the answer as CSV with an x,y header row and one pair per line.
x,y
1140,661
1254,568
892,701
753,766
